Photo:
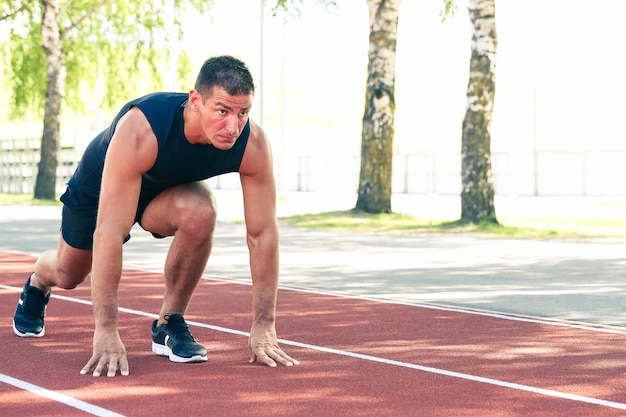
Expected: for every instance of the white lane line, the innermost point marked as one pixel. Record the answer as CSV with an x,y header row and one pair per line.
x,y
444,372
599,328
58,397
468,377
503,316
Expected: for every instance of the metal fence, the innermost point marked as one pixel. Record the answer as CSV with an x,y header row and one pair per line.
x,y
556,173
582,173
19,161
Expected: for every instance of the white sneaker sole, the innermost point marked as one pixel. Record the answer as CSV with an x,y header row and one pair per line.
x,y
28,334
163,350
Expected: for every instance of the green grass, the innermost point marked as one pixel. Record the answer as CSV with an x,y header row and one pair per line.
x,y
25,200
359,221
531,228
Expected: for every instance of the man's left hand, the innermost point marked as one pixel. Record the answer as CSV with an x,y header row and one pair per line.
x,y
264,346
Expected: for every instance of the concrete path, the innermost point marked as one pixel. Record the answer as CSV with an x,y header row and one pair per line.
x,y
562,280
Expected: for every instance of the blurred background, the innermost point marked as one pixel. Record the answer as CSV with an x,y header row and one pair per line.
x,y
558,125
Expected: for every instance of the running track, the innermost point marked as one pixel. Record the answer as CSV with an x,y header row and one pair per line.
x,y
360,357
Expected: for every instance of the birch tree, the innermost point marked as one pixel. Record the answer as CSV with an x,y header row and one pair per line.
x,y
57,46
477,193
374,191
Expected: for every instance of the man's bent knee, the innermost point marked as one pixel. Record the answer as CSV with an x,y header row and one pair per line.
x,y
65,267
196,221
188,209
69,281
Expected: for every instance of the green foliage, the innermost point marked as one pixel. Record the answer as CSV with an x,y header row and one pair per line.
x,y
25,60
449,8
185,68
292,7
118,46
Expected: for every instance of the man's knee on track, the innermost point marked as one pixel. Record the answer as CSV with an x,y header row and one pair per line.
x,y
197,219
68,280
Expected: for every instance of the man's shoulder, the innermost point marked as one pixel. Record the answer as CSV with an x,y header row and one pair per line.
x,y
161,110
257,138
161,98
257,157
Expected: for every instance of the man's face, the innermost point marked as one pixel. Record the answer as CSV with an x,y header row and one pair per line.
x,y
222,117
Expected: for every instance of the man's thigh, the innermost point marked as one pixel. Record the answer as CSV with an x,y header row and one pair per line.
x,y
78,225
164,213
74,262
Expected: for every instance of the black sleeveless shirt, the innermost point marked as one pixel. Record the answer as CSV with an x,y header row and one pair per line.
x,y
177,162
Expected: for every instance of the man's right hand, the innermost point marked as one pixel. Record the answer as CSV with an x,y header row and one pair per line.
x,y
108,353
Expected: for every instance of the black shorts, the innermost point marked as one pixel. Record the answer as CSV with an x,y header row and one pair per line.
x,y
79,216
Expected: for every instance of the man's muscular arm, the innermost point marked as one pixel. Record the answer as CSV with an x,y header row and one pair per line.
x,y
132,151
259,192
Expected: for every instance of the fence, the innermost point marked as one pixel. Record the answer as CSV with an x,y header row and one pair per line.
x,y
557,173
583,173
19,160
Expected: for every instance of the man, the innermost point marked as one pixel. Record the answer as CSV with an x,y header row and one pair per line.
x,y
148,167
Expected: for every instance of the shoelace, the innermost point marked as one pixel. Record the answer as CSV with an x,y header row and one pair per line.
x,y
36,307
180,330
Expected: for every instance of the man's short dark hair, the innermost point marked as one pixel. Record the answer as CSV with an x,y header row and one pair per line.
x,y
227,72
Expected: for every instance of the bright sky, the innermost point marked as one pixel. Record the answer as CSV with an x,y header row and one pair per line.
x,y
560,72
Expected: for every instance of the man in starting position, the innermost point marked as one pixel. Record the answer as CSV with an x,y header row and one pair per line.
x,y
148,167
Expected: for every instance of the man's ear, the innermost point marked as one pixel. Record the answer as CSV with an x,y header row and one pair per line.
x,y
195,99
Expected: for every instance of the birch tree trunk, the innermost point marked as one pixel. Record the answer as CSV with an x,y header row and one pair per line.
x,y
477,194
374,193
45,187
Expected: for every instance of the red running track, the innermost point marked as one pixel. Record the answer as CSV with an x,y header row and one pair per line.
x,y
359,358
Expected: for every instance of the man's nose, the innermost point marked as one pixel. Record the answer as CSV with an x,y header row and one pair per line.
x,y
232,125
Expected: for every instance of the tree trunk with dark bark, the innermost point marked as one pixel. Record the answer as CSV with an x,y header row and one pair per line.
x,y
45,187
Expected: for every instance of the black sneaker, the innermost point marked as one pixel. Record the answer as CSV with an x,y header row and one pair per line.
x,y
174,340
28,318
